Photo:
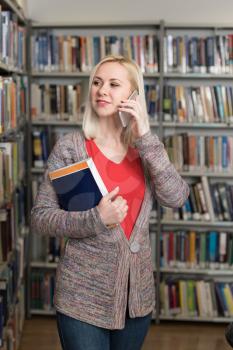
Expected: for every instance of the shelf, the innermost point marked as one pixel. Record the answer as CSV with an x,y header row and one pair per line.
x,y
202,26
52,122
43,312
93,25
9,134
11,69
208,272
51,74
227,76
60,74
38,122
153,123
197,319
43,265
197,125
37,170
16,9
226,225
206,173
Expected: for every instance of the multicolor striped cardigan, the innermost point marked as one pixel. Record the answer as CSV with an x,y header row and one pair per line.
x,y
92,275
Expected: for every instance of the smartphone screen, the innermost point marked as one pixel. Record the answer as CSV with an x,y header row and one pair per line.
x,y
125,117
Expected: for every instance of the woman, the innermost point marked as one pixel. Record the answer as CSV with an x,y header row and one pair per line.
x,y
104,287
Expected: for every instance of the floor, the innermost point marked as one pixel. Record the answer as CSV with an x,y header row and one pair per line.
x,y
40,334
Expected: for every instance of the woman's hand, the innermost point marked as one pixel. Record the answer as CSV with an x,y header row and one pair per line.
x,y
112,208
139,123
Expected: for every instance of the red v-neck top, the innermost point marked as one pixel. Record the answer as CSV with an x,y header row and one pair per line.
x,y
128,175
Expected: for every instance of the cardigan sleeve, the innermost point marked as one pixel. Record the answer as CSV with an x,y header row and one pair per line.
x,y
46,216
168,186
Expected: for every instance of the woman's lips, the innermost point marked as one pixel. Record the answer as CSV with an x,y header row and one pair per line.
x,y
102,103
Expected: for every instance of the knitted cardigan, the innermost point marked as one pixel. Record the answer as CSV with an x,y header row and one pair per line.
x,y
93,272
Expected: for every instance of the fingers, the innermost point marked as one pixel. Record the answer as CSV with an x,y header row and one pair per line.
x,y
113,208
119,202
131,107
121,208
111,195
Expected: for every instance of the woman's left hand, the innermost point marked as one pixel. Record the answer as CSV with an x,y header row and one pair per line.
x,y
139,122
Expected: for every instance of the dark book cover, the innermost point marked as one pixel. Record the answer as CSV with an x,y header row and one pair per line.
x,y
78,186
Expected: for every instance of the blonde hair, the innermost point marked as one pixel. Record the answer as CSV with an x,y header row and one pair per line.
x,y
90,119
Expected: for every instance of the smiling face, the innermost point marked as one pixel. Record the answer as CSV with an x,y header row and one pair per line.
x,y
110,85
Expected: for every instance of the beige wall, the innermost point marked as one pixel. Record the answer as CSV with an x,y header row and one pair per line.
x,y
123,11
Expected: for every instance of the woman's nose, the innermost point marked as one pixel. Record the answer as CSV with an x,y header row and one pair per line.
x,y
102,90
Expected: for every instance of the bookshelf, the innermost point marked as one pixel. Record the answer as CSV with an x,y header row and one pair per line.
x,y
192,78
180,81
14,232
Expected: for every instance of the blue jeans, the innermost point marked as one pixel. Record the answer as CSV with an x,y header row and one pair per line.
x,y
78,335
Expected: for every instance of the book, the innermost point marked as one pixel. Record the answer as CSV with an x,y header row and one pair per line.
x,y
78,186
207,195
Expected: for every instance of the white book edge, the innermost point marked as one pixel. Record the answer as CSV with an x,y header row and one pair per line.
x,y
97,176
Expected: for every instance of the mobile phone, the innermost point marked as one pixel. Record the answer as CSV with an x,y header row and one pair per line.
x,y
124,116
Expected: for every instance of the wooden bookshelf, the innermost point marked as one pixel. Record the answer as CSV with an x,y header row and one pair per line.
x,y
159,125
13,216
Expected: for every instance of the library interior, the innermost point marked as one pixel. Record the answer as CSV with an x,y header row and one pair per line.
x,y
75,250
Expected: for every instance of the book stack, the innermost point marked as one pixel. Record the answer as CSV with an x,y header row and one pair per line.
x,y
71,53
198,104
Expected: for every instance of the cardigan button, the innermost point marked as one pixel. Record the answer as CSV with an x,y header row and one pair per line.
x,y
135,247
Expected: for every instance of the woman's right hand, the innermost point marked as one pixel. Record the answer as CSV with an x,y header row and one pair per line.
x,y
112,208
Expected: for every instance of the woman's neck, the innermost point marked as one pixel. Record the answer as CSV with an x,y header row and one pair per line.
x,y
108,133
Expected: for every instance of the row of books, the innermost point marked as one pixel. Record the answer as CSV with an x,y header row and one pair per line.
x,y
198,104
210,54
11,331
7,235
66,102
190,298
13,95
12,40
40,148
42,143
72,53
196,250
182,54
206,202
11,241
152,101
55,248
12,160
179,297
63,102
20,195
42,290
198,152
9,283
179,249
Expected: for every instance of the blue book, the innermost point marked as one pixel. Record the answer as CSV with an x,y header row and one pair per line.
x,y
213,247
78,186
225,150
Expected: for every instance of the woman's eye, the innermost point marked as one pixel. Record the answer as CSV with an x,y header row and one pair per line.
x,y
114,84
96,82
